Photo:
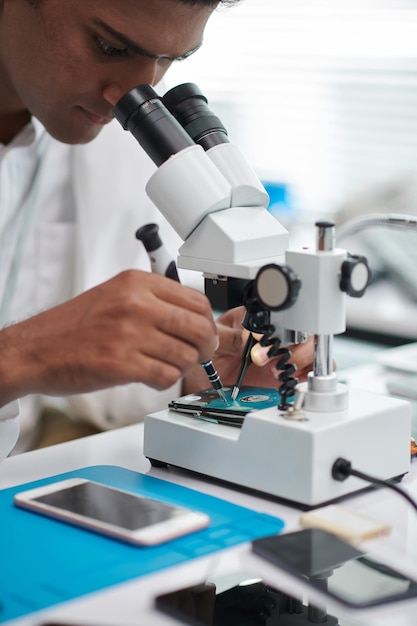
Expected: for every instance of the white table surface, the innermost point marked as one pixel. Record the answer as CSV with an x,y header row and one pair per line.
x,y
132,603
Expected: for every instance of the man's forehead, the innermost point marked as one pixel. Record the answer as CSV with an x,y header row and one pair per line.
x,y
170,29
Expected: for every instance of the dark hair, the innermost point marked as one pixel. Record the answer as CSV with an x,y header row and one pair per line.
x,y
208,3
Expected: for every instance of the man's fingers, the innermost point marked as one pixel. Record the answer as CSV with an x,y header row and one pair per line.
x,y
301,354
259,354
231,340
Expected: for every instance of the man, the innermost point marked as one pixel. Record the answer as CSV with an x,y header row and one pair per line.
x,y
69,208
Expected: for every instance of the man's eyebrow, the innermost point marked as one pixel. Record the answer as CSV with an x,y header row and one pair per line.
x,y
134,47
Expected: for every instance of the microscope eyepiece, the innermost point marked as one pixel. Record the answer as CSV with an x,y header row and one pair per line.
x,y
189,106
142,112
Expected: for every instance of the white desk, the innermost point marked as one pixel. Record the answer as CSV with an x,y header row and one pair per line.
x,y
131,604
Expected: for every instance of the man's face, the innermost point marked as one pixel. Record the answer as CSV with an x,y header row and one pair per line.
x,y
68,61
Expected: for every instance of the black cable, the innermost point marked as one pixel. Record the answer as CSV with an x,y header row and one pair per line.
x,y
342,469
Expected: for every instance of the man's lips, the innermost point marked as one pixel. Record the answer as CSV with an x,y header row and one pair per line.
x,y
95,118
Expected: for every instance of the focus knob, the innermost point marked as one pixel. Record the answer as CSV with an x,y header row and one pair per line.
x,y
277,286
355,276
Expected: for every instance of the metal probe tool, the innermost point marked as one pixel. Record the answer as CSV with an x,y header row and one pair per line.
x,y
246,361
215,380
161,263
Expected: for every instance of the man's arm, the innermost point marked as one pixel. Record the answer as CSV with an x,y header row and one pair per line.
x,y
136,327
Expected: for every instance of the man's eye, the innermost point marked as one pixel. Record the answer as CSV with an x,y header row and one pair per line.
x,y
109,50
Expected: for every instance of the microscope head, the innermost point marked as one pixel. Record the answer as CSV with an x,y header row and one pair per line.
x,y
203,186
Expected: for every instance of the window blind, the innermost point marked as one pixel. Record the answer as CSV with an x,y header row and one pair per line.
x,y
320,95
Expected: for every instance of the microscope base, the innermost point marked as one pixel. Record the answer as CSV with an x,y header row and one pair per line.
x,y
288,459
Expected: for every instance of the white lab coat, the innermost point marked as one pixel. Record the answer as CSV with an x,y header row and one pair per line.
x,y
107,200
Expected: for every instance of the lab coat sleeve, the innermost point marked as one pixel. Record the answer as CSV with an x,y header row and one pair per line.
x,y
9,428
110,175
120,406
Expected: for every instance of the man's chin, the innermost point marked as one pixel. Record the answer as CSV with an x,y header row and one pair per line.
x,y
76,137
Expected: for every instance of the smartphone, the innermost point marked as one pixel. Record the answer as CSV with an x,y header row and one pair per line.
x,y
354,578
207,405
119,514
235,600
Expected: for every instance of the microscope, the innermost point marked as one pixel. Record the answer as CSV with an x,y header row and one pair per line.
x,y
207,191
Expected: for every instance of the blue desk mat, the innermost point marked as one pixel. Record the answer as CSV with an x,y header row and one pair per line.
x,y
44,561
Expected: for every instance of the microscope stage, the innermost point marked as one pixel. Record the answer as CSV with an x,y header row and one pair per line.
x,y
286,458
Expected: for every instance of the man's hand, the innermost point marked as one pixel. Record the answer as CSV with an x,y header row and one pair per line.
x,y
227,358
136,327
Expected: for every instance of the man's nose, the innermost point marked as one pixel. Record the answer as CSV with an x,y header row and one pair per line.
x,y
147,71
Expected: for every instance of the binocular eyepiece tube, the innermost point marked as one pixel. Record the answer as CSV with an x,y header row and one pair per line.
x,y
142,112
189,106
167,125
